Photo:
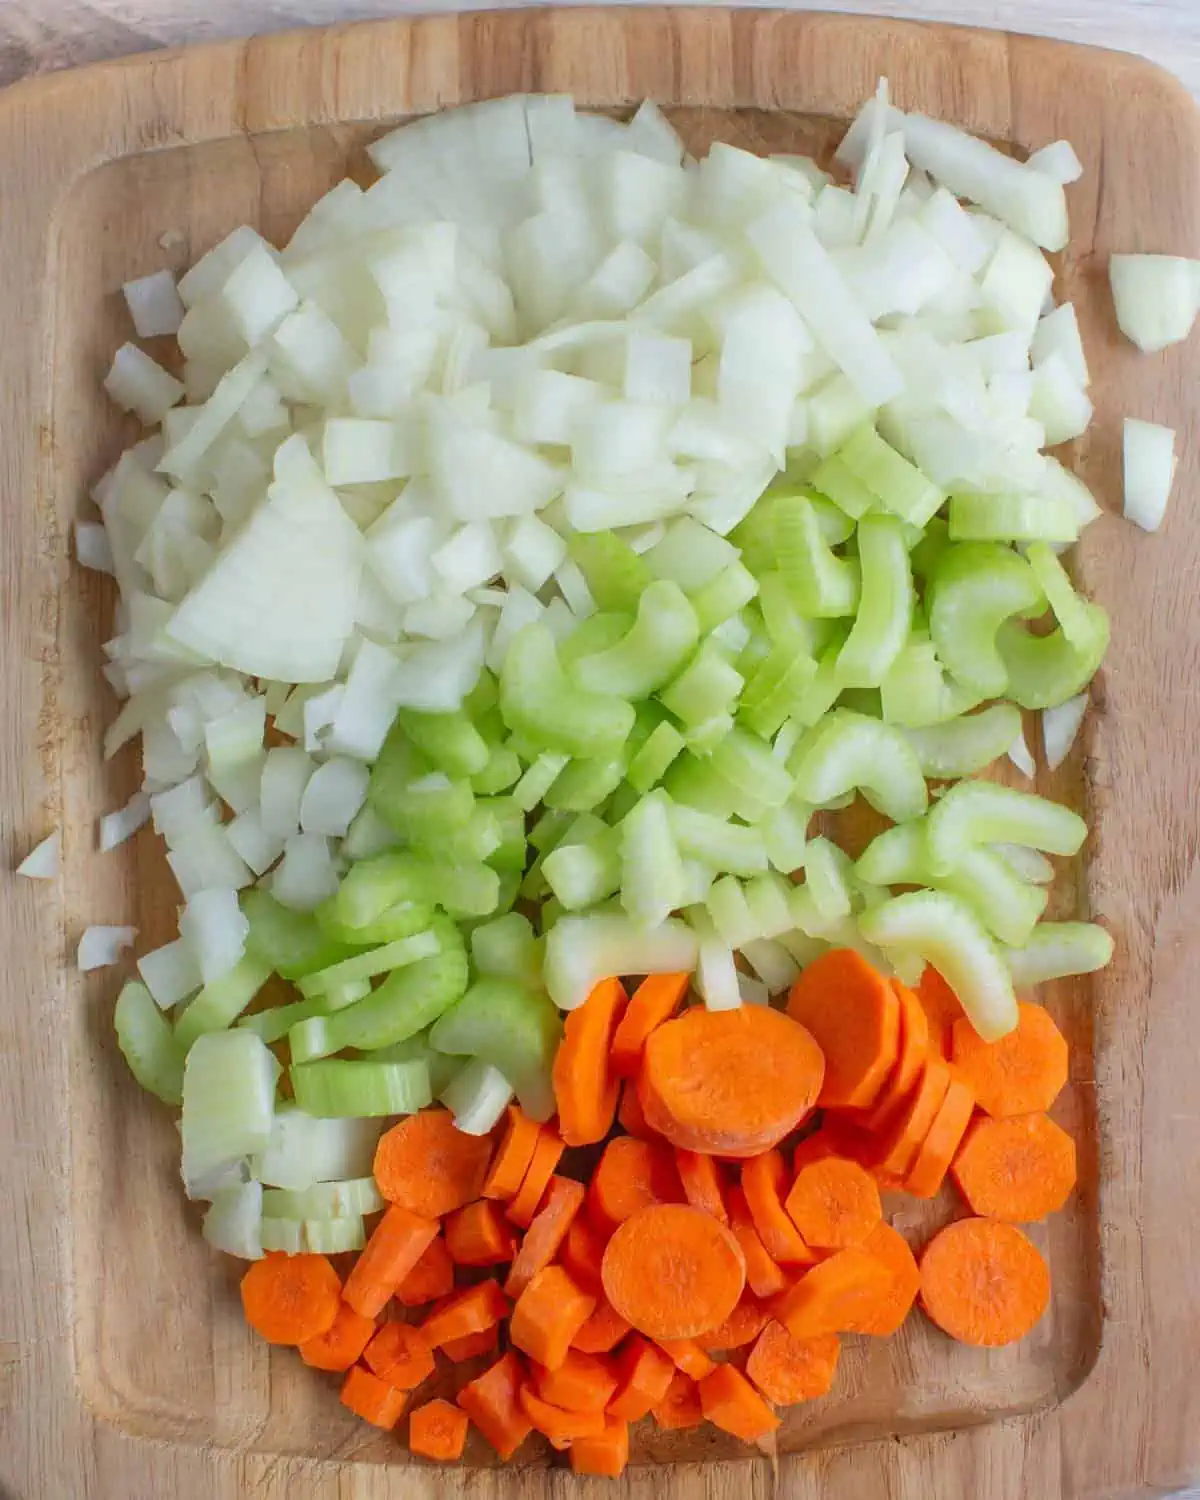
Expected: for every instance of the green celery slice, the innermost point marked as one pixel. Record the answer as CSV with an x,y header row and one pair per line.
x,y
767,898
884,617
547,833
834,478
745,761
580,874
221,1002
509,851
776,688
441,1067
538,779
582,950
730,913
696,783
1007,906
324,1200
375,886
819,583
274,1023
981,812
1073,613
785,835
898,485
662,636
1056,950
707,687
1045,670
976,587
731,847
514,1028
824,687
449,741
965,745
290,942
397,955
338,1088
149,1043
539,701
785,626
847,752
653,882
719,600
690,554
508,948
653,760
616,575
916,692
935,538
826,871
475,840
396,922
502,771
229,1083
584,784
895,857
1012,518
410,796
1028,863
597,633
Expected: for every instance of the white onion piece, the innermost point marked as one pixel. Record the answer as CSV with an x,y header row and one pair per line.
x,y
1058,334
92,547
154,304
1149,461
180,808
1018,753
139,384
101,946
1155,298
334,794
477,1096
751,991
285,774
215,931
118,826
43,860
256,846
1057,161
171,973
203,858
306,875
1060,726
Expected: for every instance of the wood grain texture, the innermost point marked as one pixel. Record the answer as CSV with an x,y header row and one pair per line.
x,y
117,1328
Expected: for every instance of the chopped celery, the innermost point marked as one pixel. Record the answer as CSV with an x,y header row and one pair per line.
x,y
767,897
584,784
785,625
274,1023
884,614
538,779
652,761
834,478
916,692
596,633
981,812
477,1096
290,942
374,961
658,642
509,851
304,1150
895,857
773,964
706,687
935,538
336,1088
410,796
547,833
149,1044
582,950
282,1236
450,742
848,751
965,745
943,930
899,486
723,596
1013,518
319,1236
819,583
580,874
228,1105
219,1004
696,783
514,1028
502,771
653,883
716,978
538,700
441,1067
1073,613
324,1200
975,588
233,1223
826,872
1028,863
704,737
776,688
785,835
689,554
726,846
375,886
1006,905
1056,950
399,921
508,948
746,763
1045,670
730,914
616,575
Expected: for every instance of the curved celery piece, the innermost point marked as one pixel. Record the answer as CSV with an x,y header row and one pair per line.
x,y
848,751
747,764
508,949
274,1023
1056,950
449,741
975,588
767,898
756,534
502,771
538,700
616,575
964,745
897,485
290,942
722,597
550,829
706,687
1029,864
785,625
884,614
149,1044
1012,518
690,554
916,692
836,525
775,689
825,876
580,874
514,1028
537,780
229,1087
410,796
580,951
1073,613
819,583
584,784
713,841
981,812
1045,670
785,835
440,1066
862,701
823,689
399,921
597,633
944,931
653,881
895,857
730,914
375,886
654,758
373,961
834,478
704,737
221,1001
1008,906
337,1088
696,783
924,556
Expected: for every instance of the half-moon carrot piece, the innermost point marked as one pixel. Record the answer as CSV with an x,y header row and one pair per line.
x,y
910,1059
605,1454
556,1422
688,1356
513,1155
680,1407
764,1181
546,1153
427,1165
937,1150
430,1278
729,1083
673,1271
289,1299
585,1086
373,1399
764,1277
787,1369
581,1253
342,1342
630,1175
603,1331
644,1375
852,1012
890,1247
983,1282
397,1243
468,1311
654,1001
561,1202
731,1403
547,1316
401,1355
583,1382
1019,1168
742,1326
837,1296
834,1203
941,1005
702,1183
1023,1072
493,1403
902,1140
478,1235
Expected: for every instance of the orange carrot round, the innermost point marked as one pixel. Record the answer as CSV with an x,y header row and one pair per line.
x,y
764,1277
429,1166
585,1086
373,1399
583,1382
852,1012
889,1247
731,1403
983,1282
605,1454
742,1326
910,1059
629,1112
703,1186
680,1407
477,1235
1019,1168
581,1253
493,1403
556,1422
942,1007
837,1296
342,1342
630,1175
654,1001
431,1277
729,1083
547,1316
834,1204
764,1180
401,1355
1023,1072
604,1329
673,1271
644,1375
289,1299
513,1155
788,1369
936,1151
902,1140
437,1430
546,1153
561,1202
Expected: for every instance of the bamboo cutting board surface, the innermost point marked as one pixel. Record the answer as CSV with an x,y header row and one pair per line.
x,y
124,1368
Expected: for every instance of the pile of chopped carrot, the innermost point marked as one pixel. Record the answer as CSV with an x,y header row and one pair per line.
x,y
730,1231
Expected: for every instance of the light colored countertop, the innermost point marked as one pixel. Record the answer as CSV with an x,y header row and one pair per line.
x,y
38,35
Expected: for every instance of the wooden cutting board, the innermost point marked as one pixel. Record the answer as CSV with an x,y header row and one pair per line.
x,y
125,1370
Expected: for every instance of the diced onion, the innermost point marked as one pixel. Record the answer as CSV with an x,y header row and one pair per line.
x,y
43,860
1149,460
101,946
1060,727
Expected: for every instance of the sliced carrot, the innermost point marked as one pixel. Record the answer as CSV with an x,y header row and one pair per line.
x,y
1019,1168
688,1356
834,1203
902,1140
983,1282
603,1331
557,1423
397,1243
680,1407
787,1369
730,1083
630,1175
477,1235
644,1374
493,1403
585,1086
889,1247
673,1271
547,1316
472,1345
561,1202
342,1342
840,1136
823,1142
430,1278
836,1296
941,1005
654,1001
741,1327
764,1181
583,1382
914,1050
1021,1074
937,1150
581,1253
513,1155
629,1113
606,1454
731,1403
427,1165
373,1399
546,1153
853,1013
703,1186
467,1312
401,1355
437,1430
289,1299
763,1275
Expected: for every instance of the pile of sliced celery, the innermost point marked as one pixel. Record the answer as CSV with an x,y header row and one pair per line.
x,y
555,537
